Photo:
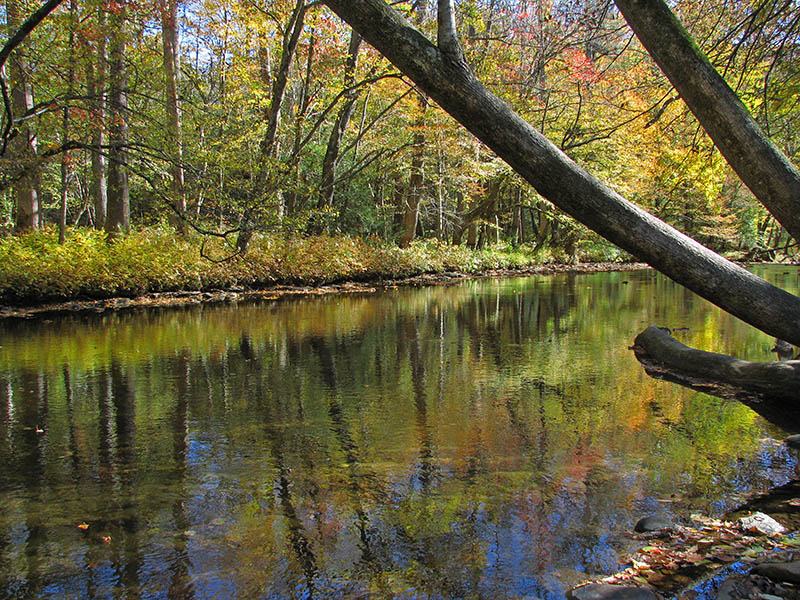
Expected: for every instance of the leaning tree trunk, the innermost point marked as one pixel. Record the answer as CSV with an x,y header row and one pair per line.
x,y
760,164
269,143
442,73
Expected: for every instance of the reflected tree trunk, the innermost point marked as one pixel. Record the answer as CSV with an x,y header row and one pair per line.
x,y
180,581
124,400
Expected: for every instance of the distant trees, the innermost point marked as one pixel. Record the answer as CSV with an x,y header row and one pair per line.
x,y
269,115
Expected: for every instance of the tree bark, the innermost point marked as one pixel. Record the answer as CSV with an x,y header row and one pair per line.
x,y
118,218
327,186
759,163
171,51
269,144
564,183
412,198
24,145
95,84
66,156
775,379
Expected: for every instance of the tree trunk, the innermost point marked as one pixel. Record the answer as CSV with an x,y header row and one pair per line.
x,y
66,156
171,51
118,218
413,194
95,84
327,186
269,143
563,182
23,145
655,347
760,164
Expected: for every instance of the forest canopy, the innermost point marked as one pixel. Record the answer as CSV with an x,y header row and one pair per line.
x,y
240,117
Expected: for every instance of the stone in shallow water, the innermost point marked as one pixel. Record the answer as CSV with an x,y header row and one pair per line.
x,y
603,591
652,523
762,524
788,572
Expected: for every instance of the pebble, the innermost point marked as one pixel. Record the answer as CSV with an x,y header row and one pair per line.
x,y
603,591
652,523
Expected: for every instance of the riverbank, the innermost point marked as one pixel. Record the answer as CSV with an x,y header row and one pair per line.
x,y
277,292
157,268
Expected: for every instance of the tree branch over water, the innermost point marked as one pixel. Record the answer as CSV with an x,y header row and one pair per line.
x,y
15,40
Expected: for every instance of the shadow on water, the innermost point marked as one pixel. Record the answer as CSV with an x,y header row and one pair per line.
x,y
491,439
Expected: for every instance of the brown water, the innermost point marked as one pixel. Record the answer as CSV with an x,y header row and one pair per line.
x,y
492,439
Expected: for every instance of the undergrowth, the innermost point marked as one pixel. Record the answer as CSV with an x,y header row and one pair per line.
x,y
35,268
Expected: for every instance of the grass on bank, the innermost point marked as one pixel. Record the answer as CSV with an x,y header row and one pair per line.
x,y
35,268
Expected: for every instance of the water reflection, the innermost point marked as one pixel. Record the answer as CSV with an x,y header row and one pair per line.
x,y
491,439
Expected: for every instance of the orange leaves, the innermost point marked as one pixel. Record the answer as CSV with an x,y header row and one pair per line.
x,y
581,67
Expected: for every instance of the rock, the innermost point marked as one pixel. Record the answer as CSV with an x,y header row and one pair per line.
x,y
652,523
787,572
761,524
793,441
603,591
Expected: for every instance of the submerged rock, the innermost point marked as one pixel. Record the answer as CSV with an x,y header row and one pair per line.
x,y
604,591
785,572
652,523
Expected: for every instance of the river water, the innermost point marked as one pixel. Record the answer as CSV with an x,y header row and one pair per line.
x,y
490,439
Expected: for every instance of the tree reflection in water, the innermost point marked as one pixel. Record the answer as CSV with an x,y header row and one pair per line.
x,y
491,439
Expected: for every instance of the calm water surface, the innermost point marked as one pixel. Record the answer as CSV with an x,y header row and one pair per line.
x,y
492,439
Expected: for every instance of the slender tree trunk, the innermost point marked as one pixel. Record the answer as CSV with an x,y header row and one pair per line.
x,y
291,195
327,186
66,156
269,144
171,51
95,84
413,196
118,218
760,164
23,146
564,183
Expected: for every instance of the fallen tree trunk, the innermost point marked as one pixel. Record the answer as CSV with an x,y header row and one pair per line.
x,y
764,386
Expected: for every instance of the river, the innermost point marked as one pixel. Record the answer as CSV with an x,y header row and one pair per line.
x,y
488,439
